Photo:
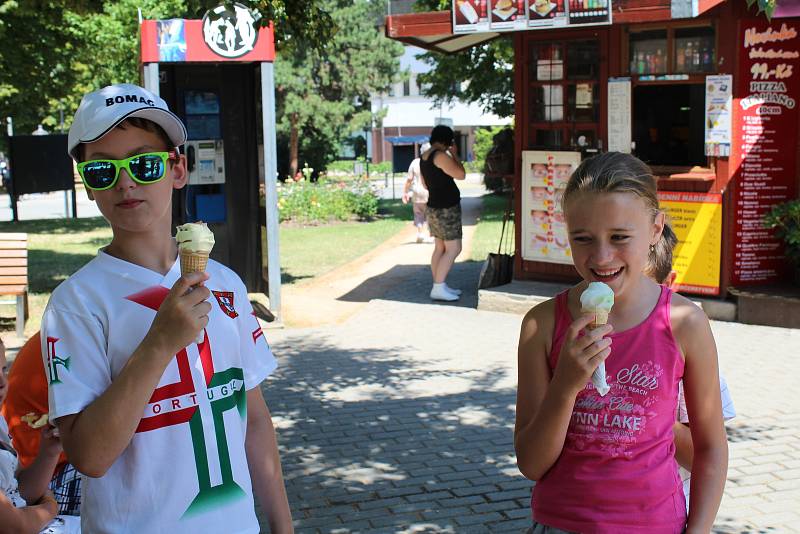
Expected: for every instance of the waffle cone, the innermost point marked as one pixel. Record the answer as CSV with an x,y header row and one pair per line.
x,y
600,318
193,262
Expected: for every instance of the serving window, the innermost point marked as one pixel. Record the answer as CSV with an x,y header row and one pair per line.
x,y
564,91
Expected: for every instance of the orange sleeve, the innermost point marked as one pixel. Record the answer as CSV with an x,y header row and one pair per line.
x,y
27,392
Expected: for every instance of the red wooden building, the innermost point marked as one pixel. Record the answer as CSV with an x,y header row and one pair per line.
x,y
708,100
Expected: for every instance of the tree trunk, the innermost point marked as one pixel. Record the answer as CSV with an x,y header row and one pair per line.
x,y
293,149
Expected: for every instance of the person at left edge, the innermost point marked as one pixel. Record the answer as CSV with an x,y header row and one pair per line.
x,y
174,436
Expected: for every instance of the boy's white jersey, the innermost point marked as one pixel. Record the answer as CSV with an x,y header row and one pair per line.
x,y
185,470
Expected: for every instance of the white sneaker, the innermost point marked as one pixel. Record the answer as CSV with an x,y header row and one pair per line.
x,y
441,293
420,238
452,290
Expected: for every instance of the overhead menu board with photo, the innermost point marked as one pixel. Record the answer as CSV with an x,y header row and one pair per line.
x,y
544,232
472,16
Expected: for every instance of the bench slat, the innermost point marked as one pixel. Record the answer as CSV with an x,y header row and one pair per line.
x,y
19,253
13,280
13,290
13,262
13,245
13,236
12,271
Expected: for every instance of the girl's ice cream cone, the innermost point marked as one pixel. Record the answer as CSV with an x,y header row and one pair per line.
x,y
598,299
193,262
600,318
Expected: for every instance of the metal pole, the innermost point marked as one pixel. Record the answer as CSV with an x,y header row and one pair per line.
x,y
10,171
151,78
270,187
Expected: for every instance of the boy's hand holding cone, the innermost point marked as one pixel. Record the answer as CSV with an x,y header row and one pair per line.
x,y
195,242
598,299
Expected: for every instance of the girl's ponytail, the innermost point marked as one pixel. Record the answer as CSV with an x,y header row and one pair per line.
x,y
659,264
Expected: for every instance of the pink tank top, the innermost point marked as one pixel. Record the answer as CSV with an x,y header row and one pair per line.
x,y
617,471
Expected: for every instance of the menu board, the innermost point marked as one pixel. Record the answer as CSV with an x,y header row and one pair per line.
x,y
719,105
696,219
619,115
471,16
507,15
764,144
544,230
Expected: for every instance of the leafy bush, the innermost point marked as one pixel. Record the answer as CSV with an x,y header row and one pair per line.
x,y
785,220
326,200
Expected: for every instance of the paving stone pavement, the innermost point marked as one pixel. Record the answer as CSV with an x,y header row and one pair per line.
x,y
401,418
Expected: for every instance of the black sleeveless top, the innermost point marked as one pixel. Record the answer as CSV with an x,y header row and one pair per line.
x,y
442,188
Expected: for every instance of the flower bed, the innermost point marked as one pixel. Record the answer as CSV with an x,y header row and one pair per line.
x,y
326,200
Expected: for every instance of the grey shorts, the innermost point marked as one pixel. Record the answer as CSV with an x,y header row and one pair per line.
x,y
419,213
445,223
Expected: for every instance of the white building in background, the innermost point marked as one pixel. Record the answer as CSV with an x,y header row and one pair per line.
x,y
411,116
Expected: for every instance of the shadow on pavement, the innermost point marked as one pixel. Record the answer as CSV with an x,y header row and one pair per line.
x,y
372,442
412,283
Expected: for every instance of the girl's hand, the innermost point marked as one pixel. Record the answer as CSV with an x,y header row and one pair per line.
x,y
48,501
50,443
581,354
405,198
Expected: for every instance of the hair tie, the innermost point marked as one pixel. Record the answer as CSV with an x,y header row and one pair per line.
x,y
652,249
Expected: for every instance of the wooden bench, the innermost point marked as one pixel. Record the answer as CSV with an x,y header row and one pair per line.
x,y
14,275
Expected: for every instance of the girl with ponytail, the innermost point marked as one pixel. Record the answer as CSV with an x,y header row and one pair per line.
x,y
606,463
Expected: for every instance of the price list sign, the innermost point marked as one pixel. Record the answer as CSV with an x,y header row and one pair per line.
x,y
764,144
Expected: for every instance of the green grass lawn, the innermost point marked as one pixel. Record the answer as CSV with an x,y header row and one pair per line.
x,y
490,222
59,247
308,251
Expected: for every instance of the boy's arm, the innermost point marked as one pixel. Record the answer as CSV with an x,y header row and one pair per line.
x,y
264,462
701,386
28,519
35,479
95,437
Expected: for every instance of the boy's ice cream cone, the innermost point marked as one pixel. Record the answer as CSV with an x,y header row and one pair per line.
x,y
193,262
195,242
598,299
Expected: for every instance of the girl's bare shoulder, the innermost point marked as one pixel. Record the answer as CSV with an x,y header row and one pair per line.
x,y
688,321
538,323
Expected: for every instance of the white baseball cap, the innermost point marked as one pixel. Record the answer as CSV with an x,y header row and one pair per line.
x,y
102,110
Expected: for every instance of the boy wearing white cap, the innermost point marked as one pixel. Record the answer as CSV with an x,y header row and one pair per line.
x,y
173,435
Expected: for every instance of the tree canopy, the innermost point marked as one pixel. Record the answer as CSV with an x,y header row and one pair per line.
x,y
331,57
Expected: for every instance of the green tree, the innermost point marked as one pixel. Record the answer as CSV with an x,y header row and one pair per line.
x,y
323,93
56,50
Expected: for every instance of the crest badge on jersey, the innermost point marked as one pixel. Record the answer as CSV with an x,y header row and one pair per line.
x,y
225,301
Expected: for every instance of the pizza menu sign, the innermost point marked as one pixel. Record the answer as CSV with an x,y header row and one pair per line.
x,y
764,144
473,16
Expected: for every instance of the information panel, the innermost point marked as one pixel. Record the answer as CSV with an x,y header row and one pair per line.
x,y
544,231
619,115
697,221
719,106
764,144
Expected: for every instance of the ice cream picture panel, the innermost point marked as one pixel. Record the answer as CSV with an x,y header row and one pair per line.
x,y
544,231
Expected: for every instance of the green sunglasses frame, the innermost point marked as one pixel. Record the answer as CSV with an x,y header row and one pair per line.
x,y
125,163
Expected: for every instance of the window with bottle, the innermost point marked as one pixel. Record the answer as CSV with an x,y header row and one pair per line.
x,y
673,50
694,50
564,94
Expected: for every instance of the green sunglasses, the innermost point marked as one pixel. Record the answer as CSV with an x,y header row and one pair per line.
x,y
148,168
